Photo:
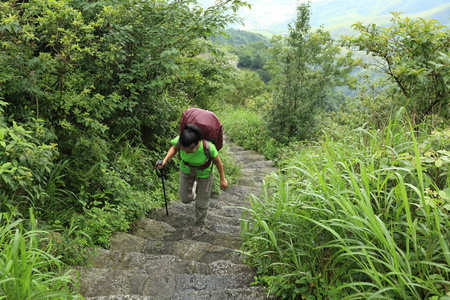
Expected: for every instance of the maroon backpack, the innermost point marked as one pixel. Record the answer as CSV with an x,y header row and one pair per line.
x,y
208,123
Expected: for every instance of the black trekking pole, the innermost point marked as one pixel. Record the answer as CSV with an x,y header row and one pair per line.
x,y
160,174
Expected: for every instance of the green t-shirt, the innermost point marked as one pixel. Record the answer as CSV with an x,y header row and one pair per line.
x,y
197,158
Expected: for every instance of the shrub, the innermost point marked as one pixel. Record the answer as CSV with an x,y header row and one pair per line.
x,y
100,223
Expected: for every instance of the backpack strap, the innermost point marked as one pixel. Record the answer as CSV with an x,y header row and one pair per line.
x,y
178,148
208,161
206,149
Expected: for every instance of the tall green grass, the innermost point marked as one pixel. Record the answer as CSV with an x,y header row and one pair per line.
x,y
246,127
352,219
28,270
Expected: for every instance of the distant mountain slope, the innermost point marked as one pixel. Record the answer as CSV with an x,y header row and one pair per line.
x,y
338,15
441,13
331,13
241,37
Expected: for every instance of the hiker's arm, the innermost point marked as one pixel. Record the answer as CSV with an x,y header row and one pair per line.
x,y
219,165
172,151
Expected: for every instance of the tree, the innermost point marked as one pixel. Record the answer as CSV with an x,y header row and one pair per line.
x,y
207,73
414,55
252,55
91,73
306,66
246,86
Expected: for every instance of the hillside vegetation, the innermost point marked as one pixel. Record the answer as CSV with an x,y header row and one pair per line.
x,y
238,37
359,208
90,96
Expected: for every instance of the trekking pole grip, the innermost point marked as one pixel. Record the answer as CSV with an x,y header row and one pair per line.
x,y
159,172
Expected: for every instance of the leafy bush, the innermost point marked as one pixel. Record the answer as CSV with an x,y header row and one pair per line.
x,y
28,168
85,88
100,223
362,217
72,245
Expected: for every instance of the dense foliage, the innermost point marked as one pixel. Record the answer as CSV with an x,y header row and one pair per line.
x,y
90,95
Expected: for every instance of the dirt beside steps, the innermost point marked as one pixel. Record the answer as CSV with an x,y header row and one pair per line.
x,y
167,257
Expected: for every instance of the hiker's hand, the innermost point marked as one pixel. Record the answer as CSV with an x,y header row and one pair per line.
x,y
160,164
223,184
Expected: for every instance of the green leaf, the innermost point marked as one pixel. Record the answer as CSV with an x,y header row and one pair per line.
x,y
429,201
438,162
446,78
6,165
5,178
445,194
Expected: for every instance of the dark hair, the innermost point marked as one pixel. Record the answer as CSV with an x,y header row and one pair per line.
x,y
191,134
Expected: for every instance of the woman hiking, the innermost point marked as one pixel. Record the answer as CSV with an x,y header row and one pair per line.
x,y
196,174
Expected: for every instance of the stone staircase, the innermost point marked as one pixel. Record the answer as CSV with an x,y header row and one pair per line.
x,y
167,257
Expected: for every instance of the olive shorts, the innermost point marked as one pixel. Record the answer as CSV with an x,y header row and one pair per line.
x,y
202,198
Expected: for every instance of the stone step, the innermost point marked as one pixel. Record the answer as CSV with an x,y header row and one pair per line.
x,y
121,297
245,157
151,228
251,182
229,203
259,165
250,153
260,172
186,249
96,282
227,207
193,250
167,264
237,192
182,215
244,191
224,211
216,234
234,148
250,293
137,261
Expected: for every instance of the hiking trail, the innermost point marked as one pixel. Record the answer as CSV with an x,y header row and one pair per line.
x,y
167,257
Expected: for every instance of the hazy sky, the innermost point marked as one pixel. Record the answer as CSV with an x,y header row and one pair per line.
x,y
268,13
271,12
